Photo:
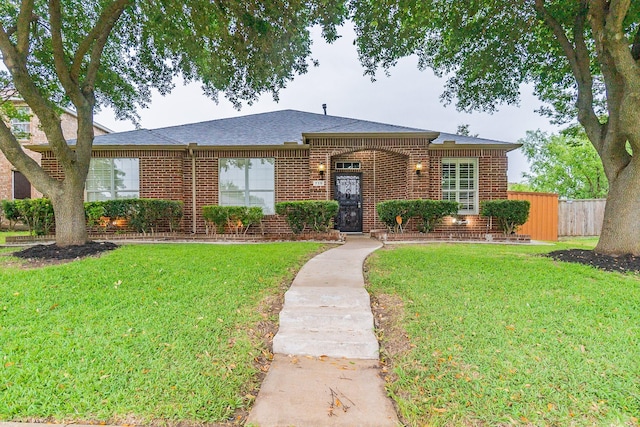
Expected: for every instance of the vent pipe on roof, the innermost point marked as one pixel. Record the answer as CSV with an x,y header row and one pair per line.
x,y
324,107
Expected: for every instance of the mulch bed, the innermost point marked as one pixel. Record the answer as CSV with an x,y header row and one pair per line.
x,y
622,263
54,252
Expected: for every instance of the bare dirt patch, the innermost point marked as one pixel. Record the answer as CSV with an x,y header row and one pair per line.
x,y
622,263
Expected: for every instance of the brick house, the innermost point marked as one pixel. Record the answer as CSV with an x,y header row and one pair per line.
x,y
263,159
13,184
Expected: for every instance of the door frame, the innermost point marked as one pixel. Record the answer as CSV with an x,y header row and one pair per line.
x,y
360,203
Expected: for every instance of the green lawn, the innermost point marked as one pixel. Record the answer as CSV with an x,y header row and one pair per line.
x,y
501,335
149,332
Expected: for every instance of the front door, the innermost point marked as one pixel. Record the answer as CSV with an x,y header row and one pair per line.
x,y
348,194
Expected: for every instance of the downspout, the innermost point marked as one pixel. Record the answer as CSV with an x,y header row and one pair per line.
x,y
192,146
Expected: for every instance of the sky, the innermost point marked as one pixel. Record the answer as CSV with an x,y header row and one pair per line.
x,y
408,97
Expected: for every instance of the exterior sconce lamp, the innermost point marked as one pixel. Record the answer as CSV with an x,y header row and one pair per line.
x,y
460,220
321,170
418,168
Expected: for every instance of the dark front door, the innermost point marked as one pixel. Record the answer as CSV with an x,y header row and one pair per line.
x,y
349,196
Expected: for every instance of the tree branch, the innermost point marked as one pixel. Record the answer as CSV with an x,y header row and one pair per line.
x,y
580,64
70,86
25,85
14,152
22,27
617,12
102,29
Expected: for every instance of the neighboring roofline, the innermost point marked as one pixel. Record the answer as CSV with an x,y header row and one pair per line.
x,y
15,96
448,146
95,124
430,135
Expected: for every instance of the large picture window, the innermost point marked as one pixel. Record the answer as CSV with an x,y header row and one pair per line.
x,y
110,179
460,183
248,182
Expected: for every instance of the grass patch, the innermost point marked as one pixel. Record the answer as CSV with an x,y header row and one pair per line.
x,y
500,335
144,333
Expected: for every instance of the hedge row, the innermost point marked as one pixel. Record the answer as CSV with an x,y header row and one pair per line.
x,y
510,213
314,215
396,214
142,215
235,218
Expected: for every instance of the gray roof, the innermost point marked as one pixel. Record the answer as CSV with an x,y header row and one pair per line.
x,y
264,129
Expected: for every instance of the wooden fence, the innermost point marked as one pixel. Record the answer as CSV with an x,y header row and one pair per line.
x,y
543,215
580,217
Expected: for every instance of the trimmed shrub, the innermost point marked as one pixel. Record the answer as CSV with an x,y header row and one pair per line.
x,y
313,215
431,212
10,212
142,215
237,219
510,213
395,214
37,214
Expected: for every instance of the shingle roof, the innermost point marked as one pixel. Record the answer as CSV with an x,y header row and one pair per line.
x,y
274,128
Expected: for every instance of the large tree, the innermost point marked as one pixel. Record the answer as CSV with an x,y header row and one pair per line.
x,y
86,54
582,57
564,163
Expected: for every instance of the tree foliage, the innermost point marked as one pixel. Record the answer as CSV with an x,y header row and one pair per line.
x,y
581,57
565,164
111,53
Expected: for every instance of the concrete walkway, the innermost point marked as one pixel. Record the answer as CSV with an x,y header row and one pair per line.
x,y
325,370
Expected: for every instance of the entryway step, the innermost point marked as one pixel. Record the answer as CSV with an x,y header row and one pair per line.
x,y
326,317
333,343
310,296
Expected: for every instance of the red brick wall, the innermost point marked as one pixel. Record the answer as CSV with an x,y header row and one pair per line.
x,y
492,182
292,181
387,167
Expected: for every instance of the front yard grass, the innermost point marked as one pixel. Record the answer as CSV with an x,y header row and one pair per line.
x,y
501,336
150,333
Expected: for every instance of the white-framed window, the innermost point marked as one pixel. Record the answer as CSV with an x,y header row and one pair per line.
x,y
113,178
347,165
247,182
21,125
460,183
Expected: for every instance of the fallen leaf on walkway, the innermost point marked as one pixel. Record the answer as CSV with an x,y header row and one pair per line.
x,y
294,360
323,358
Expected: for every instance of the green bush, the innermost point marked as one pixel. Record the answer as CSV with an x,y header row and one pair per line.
x,y
431,212
37,214
510,213
10,212
237,219
314,215
143,215
396,214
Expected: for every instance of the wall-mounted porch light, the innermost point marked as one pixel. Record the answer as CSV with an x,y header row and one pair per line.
x,y
460,220
321,170
418,168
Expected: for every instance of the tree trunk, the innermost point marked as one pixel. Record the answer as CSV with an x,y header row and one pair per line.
x,y
621,228
68,207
